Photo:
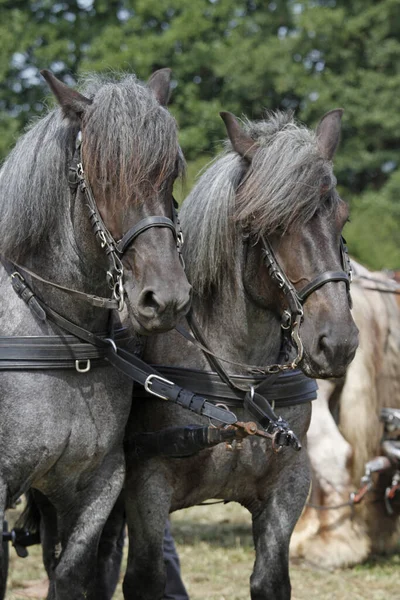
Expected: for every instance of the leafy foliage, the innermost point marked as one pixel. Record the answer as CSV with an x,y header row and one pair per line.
x,y
238,55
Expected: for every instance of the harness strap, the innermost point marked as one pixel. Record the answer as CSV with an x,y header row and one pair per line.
x,y
46,347
26,294
270,373
11,266
140,372
257,405
288,389
196,341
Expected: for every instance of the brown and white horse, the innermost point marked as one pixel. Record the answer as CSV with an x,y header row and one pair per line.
x,y
345,433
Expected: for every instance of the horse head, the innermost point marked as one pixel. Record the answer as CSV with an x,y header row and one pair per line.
x,y
288,207
130,158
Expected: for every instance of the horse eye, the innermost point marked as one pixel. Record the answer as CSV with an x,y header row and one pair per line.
x,y
280,230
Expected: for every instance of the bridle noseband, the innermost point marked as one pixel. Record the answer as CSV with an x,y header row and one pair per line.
x,y
115,250
293,315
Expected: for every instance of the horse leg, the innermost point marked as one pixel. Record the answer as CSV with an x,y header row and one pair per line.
x,y
147,509
81,522
110,551
273,524
48,533
4,564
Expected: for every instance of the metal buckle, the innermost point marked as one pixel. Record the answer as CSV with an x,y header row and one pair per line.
x,y
279,278
80,369
112,343
147,385
297,341
286,320
118,293
102,238
222,405
110,280
79,171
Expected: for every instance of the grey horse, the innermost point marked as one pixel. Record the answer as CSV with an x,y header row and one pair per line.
x,y
274,181
62,429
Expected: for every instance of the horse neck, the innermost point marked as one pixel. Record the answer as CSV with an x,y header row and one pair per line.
x,y
237,328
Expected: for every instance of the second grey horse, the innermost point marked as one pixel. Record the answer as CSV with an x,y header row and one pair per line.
x,y
274,183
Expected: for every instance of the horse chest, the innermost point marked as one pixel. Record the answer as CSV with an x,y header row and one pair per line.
x,y
99,420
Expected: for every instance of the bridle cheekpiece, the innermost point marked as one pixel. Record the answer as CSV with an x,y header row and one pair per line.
x,y
292,315
115,250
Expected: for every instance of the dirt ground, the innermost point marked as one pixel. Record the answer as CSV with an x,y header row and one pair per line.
x,y
216,550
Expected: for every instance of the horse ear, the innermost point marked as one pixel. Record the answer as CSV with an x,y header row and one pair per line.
x,y
72,102
328,132
241,142
159,83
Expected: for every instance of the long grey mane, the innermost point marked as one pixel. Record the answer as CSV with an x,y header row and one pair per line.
x,y
281,188
130,141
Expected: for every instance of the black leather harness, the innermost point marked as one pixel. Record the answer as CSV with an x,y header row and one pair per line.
x,y
84,346
289,388
81,346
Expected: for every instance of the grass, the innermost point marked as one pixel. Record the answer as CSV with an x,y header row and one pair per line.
x,y
216,551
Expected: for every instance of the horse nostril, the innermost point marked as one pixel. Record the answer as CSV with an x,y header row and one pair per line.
x,y
163,304
149,304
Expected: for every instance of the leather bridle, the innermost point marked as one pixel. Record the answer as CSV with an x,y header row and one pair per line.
x,y
292,316
114,250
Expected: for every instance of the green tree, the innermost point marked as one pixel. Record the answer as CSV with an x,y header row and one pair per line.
x,y
238,55
349,51
42,34
311,56
218,49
